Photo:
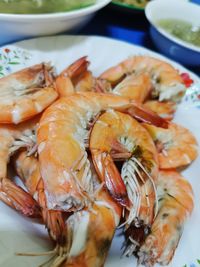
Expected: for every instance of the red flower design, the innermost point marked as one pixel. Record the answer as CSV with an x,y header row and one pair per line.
x,y
7,50
186,79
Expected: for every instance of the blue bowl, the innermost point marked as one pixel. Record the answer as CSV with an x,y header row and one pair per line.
x,y
175,51
169,45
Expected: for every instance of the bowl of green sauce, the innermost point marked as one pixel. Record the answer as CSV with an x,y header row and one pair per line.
x,y
20,19
175,29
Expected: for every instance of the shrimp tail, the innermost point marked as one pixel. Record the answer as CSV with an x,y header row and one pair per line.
x,y
143,114
70,76
15,197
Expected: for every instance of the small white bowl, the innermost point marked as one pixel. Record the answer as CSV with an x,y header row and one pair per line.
x,y
18,26
169,45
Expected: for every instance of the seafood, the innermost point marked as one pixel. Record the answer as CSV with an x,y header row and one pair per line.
x,y
136,86
18,199
176,146
61,136
27,167
165,109
26,93
116,135
75,78
175,198
167,84
88,164
89,232
12,138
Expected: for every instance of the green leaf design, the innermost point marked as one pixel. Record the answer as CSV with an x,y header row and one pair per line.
x,y
198,261
185,265
14,62
1,67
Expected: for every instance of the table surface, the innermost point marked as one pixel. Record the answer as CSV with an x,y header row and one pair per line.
x,y
128,26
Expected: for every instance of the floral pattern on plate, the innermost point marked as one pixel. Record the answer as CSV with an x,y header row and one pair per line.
x,y
10,57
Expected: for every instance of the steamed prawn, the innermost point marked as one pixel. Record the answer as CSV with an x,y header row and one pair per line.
x,y
175,198
61,136
13,138
27,168
26,93
167,83
176,146
118,136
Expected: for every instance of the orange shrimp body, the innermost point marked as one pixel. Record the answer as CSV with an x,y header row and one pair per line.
x,y
137,87
118,136
175,198
74,78
26,93
91,232
176,145
13,138
165,109
166,81
62,136
27,168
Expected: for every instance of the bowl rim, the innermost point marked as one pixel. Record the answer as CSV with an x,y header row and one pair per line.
x,y
67,14
164,32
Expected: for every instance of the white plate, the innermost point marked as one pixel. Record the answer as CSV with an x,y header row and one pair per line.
x,y
20,234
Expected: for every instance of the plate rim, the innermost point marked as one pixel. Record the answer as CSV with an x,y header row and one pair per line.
x,y
111,39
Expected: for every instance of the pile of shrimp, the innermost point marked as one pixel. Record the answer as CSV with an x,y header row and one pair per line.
x,y
98,153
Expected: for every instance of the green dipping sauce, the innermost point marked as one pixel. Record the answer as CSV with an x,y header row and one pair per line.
x,y
41,6
182,30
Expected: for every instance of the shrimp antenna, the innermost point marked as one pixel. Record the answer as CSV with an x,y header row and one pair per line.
x,y
152,181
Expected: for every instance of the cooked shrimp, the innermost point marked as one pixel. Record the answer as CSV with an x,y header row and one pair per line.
x,y
27,167
167,82
12,138
177,147
165,109
75,78
26,93
137,87
118,136
18,199
89,232
61,136
175,198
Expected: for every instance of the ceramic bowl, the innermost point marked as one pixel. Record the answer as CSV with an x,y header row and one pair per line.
x,y
16,26
166,43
